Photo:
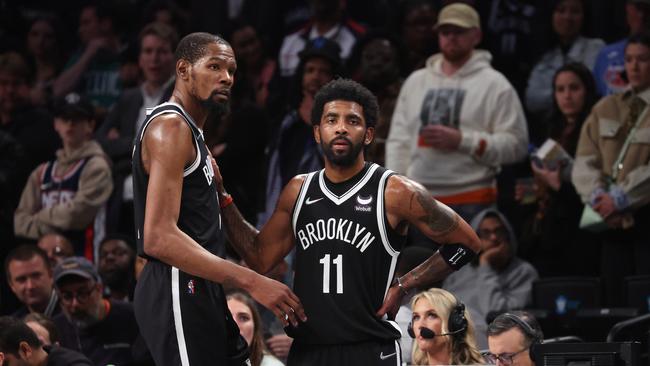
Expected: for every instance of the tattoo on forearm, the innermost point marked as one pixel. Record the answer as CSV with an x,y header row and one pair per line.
x,y
440,219
428,273
241,234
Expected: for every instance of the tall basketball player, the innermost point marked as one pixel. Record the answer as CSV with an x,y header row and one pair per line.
x,y
348,223
179,302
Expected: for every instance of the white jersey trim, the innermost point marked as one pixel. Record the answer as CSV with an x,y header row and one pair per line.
x,y
338,200
178,319
301,197
381,223
195,164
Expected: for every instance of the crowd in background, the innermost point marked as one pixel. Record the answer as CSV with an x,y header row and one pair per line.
x,y
77,77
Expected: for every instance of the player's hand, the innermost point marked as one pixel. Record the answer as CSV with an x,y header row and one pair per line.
x,y
441,137
392,303
279,345
218,180
278,298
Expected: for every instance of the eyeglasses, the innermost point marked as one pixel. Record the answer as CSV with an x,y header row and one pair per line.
x,y
504,358
81,295
501,233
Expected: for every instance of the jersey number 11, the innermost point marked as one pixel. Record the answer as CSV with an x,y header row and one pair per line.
x,y
338,261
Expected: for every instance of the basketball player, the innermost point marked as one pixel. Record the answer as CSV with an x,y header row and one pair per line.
x,y
179,301
348,223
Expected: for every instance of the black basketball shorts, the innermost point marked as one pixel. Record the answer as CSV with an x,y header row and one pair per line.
x,y
380,353
185,320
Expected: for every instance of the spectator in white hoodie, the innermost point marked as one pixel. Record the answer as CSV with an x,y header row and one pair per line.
x,y
457,120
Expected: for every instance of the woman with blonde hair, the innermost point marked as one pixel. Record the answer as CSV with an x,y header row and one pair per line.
x,y
443,330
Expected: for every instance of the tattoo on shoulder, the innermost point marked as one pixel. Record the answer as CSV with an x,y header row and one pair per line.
x,y
440,219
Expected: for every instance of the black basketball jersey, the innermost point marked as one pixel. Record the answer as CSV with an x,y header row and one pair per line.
x,y
200,215
346,254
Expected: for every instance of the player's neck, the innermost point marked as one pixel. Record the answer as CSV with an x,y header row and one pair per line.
x,y
338,174
192,106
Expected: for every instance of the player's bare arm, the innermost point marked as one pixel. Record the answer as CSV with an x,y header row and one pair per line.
x,y
167,149
409,203
265,249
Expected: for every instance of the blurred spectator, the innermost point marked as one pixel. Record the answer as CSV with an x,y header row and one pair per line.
x,y
511,336
328,22
376,63
416,19
19,345
45,50
94,69
244,311
551,208
457,120
512,32
167,12
117,266
293,149
156,60
30,278
30,127
253,66
43,327
68,194
567,21
440,312
101,329
611,171
499,280
610,62
57,247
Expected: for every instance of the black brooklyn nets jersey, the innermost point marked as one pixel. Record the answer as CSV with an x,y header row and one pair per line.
x,y
345,258
200,215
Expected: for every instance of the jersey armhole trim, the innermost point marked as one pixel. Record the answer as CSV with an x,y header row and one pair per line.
x,y
381,212
299,200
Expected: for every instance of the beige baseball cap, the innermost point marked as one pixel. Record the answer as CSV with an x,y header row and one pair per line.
x,y
459,14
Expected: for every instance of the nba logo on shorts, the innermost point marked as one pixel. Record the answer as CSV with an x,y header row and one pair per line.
x,y
190,287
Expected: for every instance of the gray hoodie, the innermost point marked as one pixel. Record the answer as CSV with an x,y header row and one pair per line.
x,y
483,289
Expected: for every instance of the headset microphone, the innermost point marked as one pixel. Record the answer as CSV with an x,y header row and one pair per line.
x,y
427,333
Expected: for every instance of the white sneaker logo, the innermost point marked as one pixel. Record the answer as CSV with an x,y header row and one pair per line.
x,y
309,201
383,357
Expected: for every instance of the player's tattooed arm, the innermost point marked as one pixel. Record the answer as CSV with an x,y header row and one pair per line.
x,y
439,218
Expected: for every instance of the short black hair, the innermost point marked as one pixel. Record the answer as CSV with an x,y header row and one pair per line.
x,y
642,37
348,90
25,252
12,332
194,45
504,323
118,236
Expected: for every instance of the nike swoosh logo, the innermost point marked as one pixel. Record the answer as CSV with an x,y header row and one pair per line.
x,y
383,357
309,201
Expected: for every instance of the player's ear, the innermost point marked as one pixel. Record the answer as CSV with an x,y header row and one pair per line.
x,y
183,69
370,135
317,133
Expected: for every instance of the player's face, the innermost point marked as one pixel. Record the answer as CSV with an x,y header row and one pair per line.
x,y
244,319
156,59
31,281
637,65
342,132
424,315
212,76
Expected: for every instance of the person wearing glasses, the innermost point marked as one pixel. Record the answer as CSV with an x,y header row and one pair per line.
x,y
511,337
497,279
103,330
